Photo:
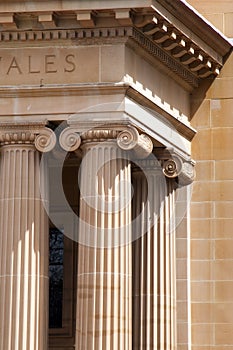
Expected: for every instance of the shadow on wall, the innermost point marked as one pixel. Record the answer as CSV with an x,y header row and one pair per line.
x,y
199,94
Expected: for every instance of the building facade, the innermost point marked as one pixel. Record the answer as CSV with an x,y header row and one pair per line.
x,y
116,174
211,212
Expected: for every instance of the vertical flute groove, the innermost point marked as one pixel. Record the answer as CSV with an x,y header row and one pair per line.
x,y
104,299
23,301
154,262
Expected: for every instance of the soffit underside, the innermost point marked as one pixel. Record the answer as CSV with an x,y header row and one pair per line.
x,y
185,55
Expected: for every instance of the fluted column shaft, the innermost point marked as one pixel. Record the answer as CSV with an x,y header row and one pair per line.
x,y
23,246
154,260
104,295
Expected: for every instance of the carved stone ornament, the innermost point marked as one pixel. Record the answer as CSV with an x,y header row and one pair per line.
x,y
129,139
187,175
11,137
172,167
175,167
35,134
45,141
98,135
69,139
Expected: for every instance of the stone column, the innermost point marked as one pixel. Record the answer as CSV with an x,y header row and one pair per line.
x,y
23,238
104,295
154,259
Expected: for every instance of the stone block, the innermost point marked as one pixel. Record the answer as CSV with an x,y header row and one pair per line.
x,y
201,249
112,63
202,333
202,291
221,113
228,24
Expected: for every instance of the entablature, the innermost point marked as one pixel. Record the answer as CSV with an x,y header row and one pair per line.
x,y
176,50
126,97
154,26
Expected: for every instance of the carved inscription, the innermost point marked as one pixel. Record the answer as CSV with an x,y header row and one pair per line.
x,y
30,66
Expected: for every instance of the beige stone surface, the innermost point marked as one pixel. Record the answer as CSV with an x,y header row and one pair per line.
x,y
211,237
213,191
104,300
223,291
204,334
57,106
222,226
212,7
223,270
227,71
202,291
182,228
201,270
112,66
104,291
182,292
202,228
182,337
181,265
223,210
223,170
201,210
206,170
154,293
160,88
223,249
24,245
221,88
181,248
223,335
42,66
202,115
59,5
202,312
222,141
217,19
221,113
228,24
202,145
201,249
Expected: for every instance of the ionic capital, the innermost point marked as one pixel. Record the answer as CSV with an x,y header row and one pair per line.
x,y
36,134
45,141
100,134
169,165
129,139
176,167
70,139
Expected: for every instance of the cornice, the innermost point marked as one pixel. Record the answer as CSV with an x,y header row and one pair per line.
x,y
110,35
157,30
193,20
105,35
165,58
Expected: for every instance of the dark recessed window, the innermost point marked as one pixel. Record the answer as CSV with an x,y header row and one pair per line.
x,y
56,277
